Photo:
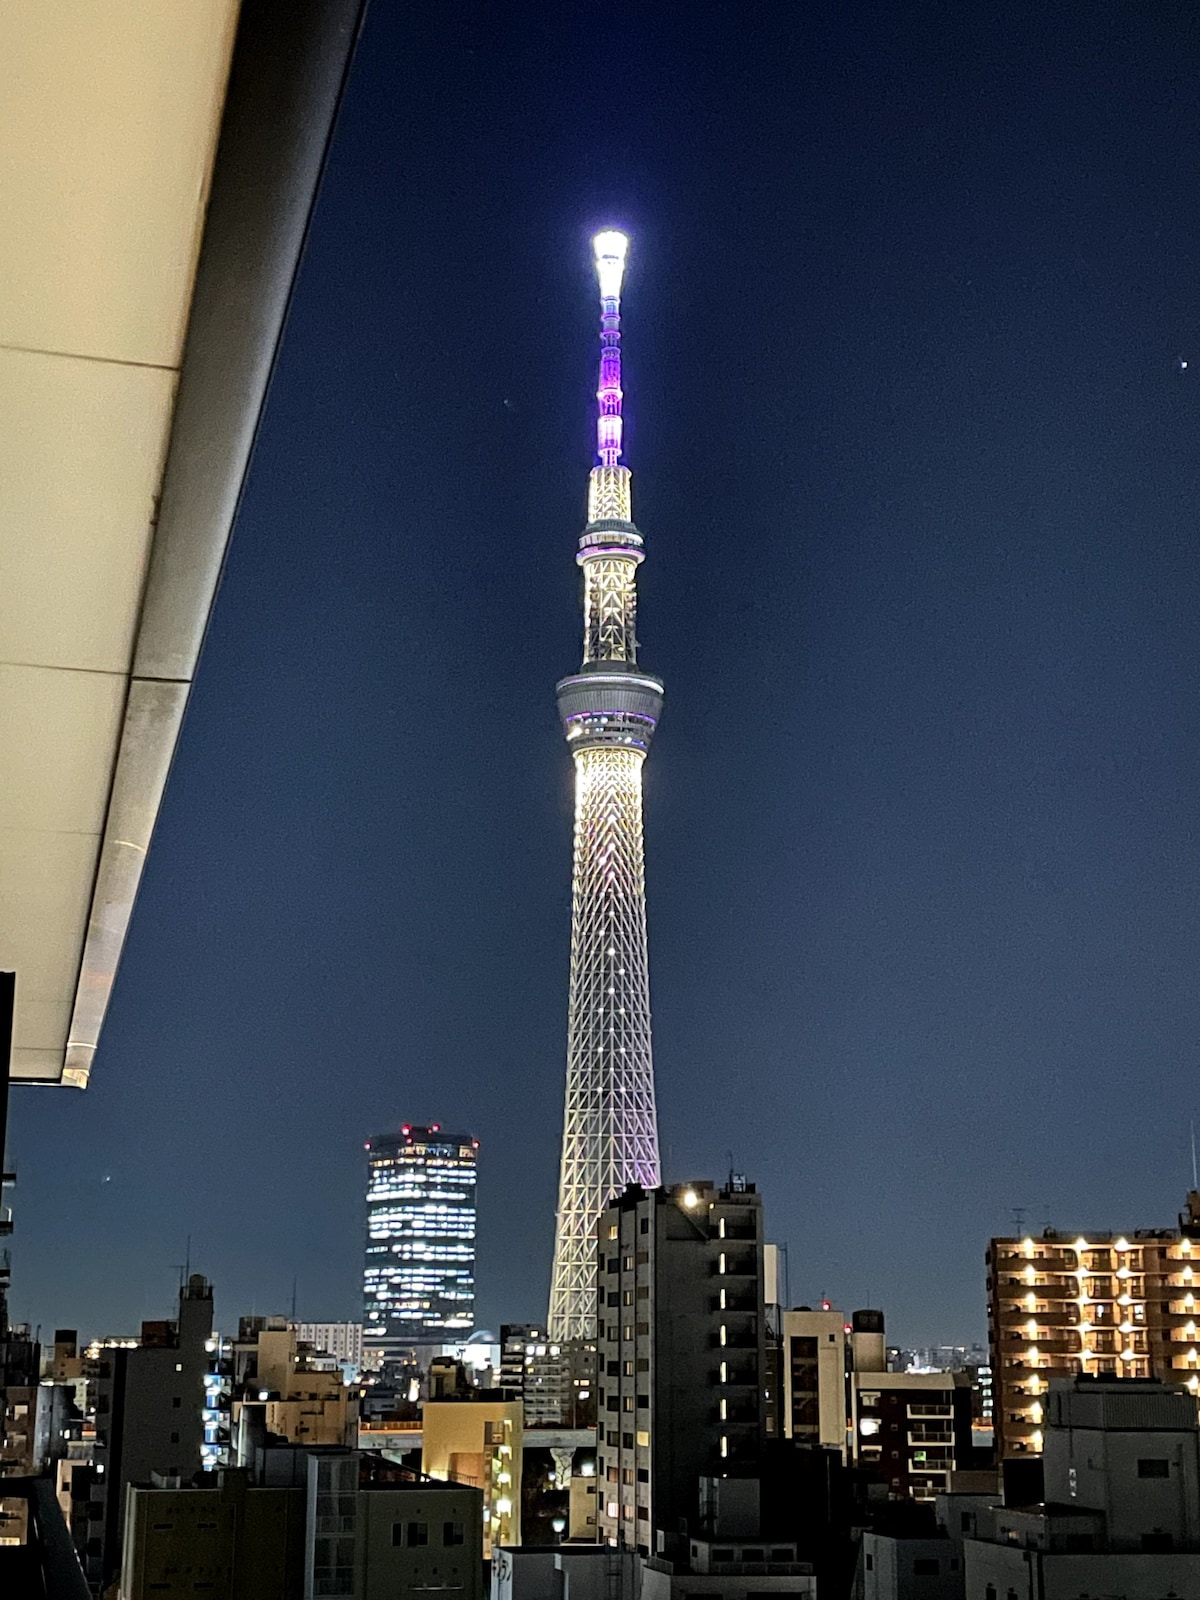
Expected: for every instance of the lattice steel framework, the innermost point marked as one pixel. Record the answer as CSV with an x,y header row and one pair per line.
x,y
609,711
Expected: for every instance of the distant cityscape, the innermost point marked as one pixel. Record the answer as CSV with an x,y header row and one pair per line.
x,y
678,1425
706,1431
675,1428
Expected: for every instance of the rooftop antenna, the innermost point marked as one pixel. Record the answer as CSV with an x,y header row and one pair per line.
x,y
293,1297
1018,1216
1195,1180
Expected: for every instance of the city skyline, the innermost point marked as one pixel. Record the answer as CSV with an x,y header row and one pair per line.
x,y
913,344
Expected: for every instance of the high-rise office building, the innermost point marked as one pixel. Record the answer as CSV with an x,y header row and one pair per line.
x,y
609,710
1095,1304
419,1276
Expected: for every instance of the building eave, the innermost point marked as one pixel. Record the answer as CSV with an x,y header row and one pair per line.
x,y
287,73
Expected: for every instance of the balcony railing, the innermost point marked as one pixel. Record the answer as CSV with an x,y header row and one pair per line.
x,y
745,1569
47,1563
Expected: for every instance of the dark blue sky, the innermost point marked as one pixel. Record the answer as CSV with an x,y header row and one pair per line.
x,y
916,460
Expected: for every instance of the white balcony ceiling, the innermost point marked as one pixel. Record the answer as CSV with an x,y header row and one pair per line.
x,y
109,122
159,163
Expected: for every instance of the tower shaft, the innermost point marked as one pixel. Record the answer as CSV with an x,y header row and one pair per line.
x,y
609,712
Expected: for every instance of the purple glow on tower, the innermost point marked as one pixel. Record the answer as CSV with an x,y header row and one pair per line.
x,y
610,251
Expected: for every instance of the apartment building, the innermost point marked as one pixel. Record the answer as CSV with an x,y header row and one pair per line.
x,y
1089,1304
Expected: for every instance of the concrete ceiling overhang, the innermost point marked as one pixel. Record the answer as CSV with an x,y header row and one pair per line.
x,y
160,167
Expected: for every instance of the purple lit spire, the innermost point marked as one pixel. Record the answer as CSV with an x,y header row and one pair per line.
x,y
610,251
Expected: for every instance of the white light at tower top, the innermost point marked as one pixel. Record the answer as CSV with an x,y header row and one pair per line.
x,y
610,248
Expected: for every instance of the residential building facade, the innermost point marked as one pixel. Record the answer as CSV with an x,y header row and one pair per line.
x,y
150,1402
814,1377
911,1430
1096,1304
682,1355
278,1391
478,1439
341,1340
532,1367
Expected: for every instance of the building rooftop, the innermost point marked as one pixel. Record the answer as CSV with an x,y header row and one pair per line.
x,y
412,1133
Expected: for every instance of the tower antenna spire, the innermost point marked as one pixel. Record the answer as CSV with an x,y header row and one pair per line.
x,y
609,710
610,250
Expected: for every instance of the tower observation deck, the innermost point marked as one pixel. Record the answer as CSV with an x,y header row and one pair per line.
x,y
609,710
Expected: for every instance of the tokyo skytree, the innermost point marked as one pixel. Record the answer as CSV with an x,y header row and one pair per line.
x,y
609,710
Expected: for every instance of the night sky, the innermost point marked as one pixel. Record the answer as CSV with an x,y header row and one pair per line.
x,y
912,347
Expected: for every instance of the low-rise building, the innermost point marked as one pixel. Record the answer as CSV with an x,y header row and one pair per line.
x,y
341,1340
595,1572
1120,1514
892,1568
1100,1304
302,1523
239,1540
911,1430
280,1391
728,1570
478,1439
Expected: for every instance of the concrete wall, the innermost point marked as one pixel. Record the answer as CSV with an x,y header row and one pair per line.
x,y
566,1574
827,1329
1100,1470
658,1585
993,1570
248,1543
584,1503
910,1569
385,1569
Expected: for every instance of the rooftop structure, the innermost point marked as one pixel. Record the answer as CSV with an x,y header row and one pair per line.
x,y
1112,1508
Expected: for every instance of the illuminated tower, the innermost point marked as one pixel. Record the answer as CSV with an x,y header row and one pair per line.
x,y
609,710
